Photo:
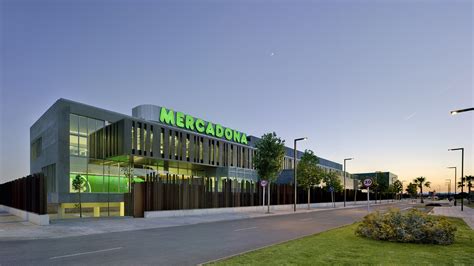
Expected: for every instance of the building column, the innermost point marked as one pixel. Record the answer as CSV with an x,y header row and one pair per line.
x,y
61,211
96,211
122,208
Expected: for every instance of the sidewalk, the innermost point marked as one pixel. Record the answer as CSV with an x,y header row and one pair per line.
x,y
455,211
12,228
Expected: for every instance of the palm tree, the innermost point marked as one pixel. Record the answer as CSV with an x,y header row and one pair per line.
x,y
462,182
469,180
466,181
420,182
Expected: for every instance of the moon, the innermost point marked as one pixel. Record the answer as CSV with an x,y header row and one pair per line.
x,y
272,54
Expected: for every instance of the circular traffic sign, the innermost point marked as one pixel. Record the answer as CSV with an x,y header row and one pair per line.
x,y
264,183
331,189
367,182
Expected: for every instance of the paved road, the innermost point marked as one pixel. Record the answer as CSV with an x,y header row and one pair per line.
x,y
180,245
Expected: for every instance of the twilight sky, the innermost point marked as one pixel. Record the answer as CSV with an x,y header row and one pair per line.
x,y
363,79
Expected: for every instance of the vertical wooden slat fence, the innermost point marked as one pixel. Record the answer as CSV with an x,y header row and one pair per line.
x,y
174,192
26,193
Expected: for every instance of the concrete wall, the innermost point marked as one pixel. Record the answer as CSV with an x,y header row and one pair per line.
x,y
27,216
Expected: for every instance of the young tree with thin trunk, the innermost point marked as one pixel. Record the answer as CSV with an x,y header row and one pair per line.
x,y
128,173
268,159
308,172
331,180
411,190
420,183
398,188
78,184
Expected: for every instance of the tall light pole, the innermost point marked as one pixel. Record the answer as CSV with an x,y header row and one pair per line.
x,y
294,169
347,159
455,180
462,175
455,112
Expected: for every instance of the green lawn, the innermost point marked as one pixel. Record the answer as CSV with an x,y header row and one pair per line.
x,y
342,246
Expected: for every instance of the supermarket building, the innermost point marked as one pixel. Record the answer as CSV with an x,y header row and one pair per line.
x,y
72,139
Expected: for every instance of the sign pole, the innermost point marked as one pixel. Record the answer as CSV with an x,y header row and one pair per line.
x,y
368,199
367,184
264,184
263,201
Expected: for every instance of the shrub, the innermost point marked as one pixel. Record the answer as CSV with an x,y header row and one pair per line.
x,y
411,227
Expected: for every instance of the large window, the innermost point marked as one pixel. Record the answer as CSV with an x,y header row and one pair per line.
x,y
80,127
100,176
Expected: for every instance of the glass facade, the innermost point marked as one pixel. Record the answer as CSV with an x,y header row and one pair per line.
x,y
79,129
106,170
105,176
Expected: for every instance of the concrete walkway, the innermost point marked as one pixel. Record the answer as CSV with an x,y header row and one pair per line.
x,y
19,230
455,211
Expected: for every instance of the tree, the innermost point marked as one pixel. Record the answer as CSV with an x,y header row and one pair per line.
x,y
331,180
308,172
398,187
78,184
466,181
411,189
268,159
128,173
420,182
356,187
462,182
391,190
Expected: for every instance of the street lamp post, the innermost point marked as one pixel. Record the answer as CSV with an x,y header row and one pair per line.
x,y
455,182
462,111
347,159
462,175
294,169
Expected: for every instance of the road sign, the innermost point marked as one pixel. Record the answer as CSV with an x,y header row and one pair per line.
x,y
331,189
263,183
367,182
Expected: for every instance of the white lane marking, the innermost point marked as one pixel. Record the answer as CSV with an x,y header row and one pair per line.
x,y
242,229
84,253
306,219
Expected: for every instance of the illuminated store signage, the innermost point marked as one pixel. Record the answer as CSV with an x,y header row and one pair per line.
x,y
179,119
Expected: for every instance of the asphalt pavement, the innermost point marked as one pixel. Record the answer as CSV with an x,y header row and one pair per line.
x,y
180,245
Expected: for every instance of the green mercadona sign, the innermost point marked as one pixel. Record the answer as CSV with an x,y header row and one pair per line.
x,y
179,119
